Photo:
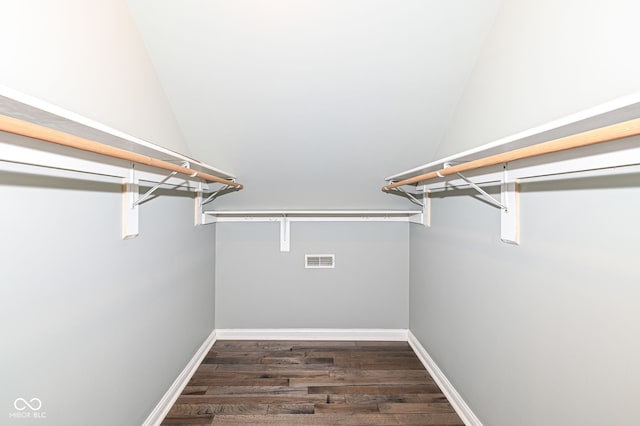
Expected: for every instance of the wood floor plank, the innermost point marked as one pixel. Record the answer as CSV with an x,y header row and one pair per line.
x,y
275,409
262,399
353,374
252,353
213,381
365,377
271,367
397,398
194,390
416,407
384,345
323,345
391,363
255,390
345,408
221,409
264,374
311,383
375,390
232,360
190,420
296,360
363,353
340,419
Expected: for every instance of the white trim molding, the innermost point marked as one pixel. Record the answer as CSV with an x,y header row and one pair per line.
x,y
456,401
162,408
398,335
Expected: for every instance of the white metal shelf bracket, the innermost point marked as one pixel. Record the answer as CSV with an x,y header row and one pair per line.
x,y
426,209
198,217
285,234
213,196
510,215
411,197
482,192
130,210
424,216
200,202
132,200
141,199
490,199
508,204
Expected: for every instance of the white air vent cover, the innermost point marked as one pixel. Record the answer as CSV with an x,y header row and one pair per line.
x,y
319,260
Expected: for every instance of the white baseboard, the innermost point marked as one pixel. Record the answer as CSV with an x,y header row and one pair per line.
x,y
461,407
313,334
160,411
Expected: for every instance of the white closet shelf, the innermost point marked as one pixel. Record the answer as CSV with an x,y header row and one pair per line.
x,y
312,213
27,108
285,217
54,138
607,114
569,145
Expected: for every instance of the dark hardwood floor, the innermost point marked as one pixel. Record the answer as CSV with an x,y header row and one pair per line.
x,y
311,383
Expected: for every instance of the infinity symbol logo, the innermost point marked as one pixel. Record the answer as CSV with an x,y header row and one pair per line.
x,y
21,404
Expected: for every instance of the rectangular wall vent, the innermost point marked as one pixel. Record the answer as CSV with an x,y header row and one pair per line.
x,y
319,260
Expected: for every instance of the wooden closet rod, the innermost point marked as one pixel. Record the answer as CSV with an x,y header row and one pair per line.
x,y
35,131
591,137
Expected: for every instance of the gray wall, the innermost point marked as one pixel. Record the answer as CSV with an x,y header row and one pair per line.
x,y
542,60
257,286
87,57
545,333
97,327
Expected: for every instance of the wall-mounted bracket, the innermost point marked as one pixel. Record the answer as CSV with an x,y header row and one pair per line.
x,y
198,219
141,199
508,202
130,213
510,215
200,201
424,216
132,199
411,197
285,234
482,192
213,196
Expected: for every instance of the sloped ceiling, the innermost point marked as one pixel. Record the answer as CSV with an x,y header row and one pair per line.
x,y
312,102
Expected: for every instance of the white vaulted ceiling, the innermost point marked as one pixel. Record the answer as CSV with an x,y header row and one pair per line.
x,y
312,102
